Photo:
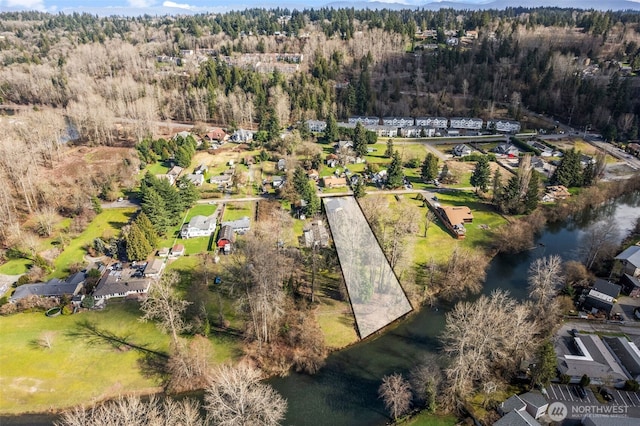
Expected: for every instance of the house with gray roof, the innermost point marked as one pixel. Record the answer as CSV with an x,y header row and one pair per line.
x,y
222,181
55,287
316,126
522,409
626,353
121,284
240,226
629,261
461,150
199,226
517,418
196,178
602,296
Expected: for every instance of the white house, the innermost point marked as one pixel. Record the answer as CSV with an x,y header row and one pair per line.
x,y
466,123
196,178
384,131
435,122
223,181
199,226
316,126
398,121
242,136
505,126
364,120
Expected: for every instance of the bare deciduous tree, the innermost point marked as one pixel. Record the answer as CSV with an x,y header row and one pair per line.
x,y
132,411
166,307
46,339
395,391
463,274
236,396
599,242
545,279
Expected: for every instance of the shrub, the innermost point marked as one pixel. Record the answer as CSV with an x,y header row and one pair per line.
x,y
24,279
565,379
67,310
631,385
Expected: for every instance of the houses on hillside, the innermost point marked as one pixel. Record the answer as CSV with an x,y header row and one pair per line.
x,y
504,126
55,287
461,150
125,283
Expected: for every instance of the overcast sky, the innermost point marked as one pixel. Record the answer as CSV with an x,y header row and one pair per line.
x,y
137,7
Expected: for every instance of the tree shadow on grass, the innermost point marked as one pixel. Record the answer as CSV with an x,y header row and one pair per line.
x,y
153,363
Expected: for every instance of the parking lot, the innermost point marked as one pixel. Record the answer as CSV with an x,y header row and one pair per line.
x,y
569,393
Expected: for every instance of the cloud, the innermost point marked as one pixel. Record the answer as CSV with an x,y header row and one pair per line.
x,y
26,4
140,3
178,5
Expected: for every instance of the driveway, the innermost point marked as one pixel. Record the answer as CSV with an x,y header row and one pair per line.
x,y
6,281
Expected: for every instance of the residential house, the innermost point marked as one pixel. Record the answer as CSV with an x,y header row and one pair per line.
x,y
452,41
163,252
334,182
585,159
398,121
216,134
629,261
588,354
125,283
461,150
242,136
555,192
466,123
517,410
602,296
175,172
154,268
412,131
340,145
504,126
277,181
196,179
435,122
170,178
367,121
316,126
384,131
332,160
455,217
184,135
225,239
222,181
201,169
177,250
545,151
199,226
315,234
240,226
313,174
282,165
453,132
630,285
507,149
55,287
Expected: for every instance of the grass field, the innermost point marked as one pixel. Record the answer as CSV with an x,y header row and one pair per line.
x,y
235,211
334,316
106,224
73,371
427,419
15,267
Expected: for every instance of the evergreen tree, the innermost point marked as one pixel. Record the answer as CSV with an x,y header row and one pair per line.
x,y
147,229
313,203
532,194
174,205
187,192
546,367
481,174
360,140
300,181
138,248
389,151
183,158
569,171
394,172
589,174
154,207
429,169
358,188
331,131
510,196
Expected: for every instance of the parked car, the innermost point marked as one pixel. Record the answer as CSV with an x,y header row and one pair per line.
x,y
608,396
581,392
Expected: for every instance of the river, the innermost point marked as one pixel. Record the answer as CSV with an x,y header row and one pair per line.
x,y
344,392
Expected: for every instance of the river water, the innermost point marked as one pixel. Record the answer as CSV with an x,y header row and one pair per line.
x,y
344,392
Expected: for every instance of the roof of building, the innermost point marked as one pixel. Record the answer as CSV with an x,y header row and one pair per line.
x,y
534,398
595,360
333,180
114,285
605,287
631,255
177,248
242,223
627,352
226,233
203,222
635,282
195,178
154,267
457,214
597,420
512,403
517,418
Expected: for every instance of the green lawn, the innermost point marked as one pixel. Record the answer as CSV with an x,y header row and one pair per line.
x,y
73,371
106,224
15,267
427,419
334,316
235,211
158,168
